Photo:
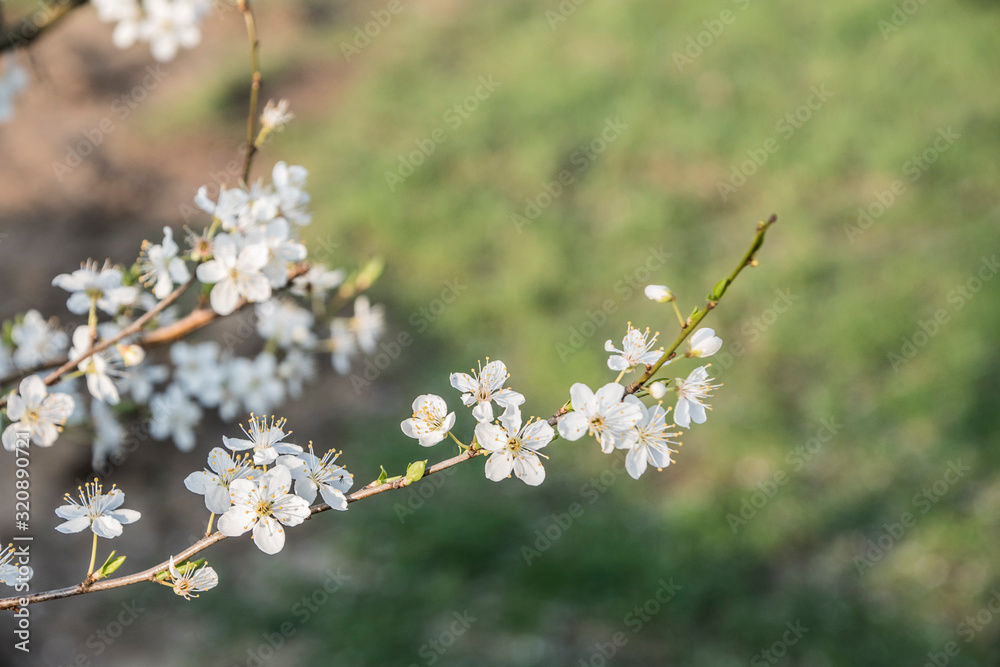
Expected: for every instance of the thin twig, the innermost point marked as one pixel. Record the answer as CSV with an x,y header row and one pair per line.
x,y
56,375
34,26
255,79
749,259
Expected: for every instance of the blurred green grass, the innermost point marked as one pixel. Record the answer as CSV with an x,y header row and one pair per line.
x,y
826,357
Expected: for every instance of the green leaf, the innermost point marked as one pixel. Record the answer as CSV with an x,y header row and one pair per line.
x,y
415,471
110,565
382,477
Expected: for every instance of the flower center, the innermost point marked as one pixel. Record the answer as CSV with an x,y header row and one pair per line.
x,y
263,508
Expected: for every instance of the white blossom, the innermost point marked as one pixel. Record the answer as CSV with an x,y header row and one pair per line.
x,y
343,345
37,340
690,394
636,350
263,505
286,323
602,414
235,270
141,380
96,510
11,574
214,485
97,367
192,580
197,369
313,474
282,250
35,413
660,293
91,283
229,210
174,415
161,267
256,383
289,185
368,323
265,439
317,281
431,420
169,25
275,115
109,435
514,448
652,445
704,343
296,369
484,387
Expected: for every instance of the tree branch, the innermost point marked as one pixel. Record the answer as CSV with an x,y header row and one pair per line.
x,y
34,26
207,541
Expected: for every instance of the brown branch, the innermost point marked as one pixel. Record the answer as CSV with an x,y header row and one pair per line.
x,y
255,80
56,375
193,321
30,28
207,541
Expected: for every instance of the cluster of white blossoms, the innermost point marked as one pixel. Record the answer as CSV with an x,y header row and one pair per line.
x,y
617,418
252,491
166,25
250,253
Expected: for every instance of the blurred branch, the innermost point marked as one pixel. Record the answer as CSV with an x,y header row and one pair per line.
x,y
32,27
255,78
149,575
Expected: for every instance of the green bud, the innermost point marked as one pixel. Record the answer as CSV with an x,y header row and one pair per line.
x,y
415,471
719,289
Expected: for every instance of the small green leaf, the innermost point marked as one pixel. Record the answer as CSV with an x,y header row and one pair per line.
x,y
415,471
110,565
382,477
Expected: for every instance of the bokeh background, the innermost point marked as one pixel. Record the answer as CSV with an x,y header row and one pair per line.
x,y
784,511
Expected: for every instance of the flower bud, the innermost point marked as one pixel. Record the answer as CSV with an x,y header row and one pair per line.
x,y
657,390
659,293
